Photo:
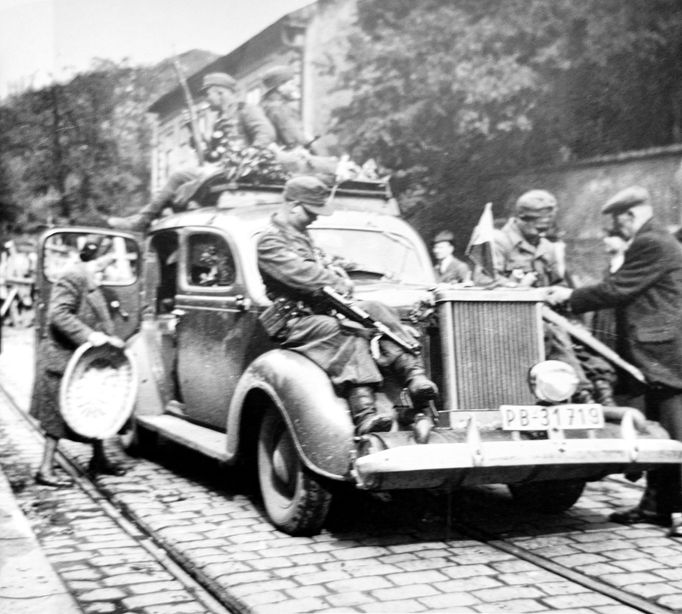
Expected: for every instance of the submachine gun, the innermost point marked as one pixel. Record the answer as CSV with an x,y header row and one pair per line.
x,y
349,309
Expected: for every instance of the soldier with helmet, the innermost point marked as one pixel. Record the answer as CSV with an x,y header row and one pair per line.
x,y
646,292
521,250
295,271
279,101
448,269
238,125
523,254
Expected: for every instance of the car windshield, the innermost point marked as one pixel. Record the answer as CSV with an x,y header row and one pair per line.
x,y
372,254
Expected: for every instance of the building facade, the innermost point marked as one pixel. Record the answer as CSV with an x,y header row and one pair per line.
x,y
312,40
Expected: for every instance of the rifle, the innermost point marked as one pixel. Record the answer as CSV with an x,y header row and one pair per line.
x,y
349,309
587,339
194,127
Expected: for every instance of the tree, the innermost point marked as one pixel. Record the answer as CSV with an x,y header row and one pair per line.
x,y
451,94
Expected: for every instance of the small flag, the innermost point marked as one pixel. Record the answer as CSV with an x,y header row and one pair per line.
x,y
480,247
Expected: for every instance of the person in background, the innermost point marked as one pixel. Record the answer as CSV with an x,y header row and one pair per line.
x,y
448,269
280,103
646,292
294,271
77,313
238,126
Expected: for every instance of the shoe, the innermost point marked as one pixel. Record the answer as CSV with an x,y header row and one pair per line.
x,y
132,223
52,480
636,515
105,468
375,423
422,390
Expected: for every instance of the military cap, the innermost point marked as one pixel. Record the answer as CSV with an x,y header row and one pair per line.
x,y
218,79
276,76
311,193
536,203
444,236
623,200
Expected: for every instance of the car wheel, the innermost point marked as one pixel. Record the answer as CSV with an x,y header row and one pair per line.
x,y
551,497
295,500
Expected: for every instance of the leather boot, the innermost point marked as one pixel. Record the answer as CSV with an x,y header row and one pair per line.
x,y
138,222
362,405
411,370
603,391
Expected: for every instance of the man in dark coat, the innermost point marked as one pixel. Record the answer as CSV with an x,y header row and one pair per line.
x,y
238,126
646,292
77,313
448,269
294,272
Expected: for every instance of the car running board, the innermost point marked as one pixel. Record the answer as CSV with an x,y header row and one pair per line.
x,y
207,441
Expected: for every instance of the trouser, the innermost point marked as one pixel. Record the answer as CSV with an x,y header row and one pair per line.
x,y
663,494
343,353
178,189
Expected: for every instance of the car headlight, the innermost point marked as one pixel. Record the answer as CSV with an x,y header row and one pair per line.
x,y
553,381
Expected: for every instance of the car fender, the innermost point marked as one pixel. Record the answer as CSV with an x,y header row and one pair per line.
x,y
317,418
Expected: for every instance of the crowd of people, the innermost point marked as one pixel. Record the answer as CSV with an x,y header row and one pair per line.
x,y
638,299
637,308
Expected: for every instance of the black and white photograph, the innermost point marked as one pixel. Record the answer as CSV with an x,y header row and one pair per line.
x,y
340,306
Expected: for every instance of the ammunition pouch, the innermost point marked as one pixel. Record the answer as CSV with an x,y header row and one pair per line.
x,y
276,317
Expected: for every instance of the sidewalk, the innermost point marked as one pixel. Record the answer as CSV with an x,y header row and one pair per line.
x,y
28,583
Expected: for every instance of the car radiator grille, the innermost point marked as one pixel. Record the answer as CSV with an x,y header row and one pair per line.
x,y
487,348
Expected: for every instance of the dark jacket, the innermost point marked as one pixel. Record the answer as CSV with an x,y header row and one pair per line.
x,y
454,271
247,126
291,266
286,121
647,295
76,309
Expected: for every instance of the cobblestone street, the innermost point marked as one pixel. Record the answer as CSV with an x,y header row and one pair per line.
x,y
405,554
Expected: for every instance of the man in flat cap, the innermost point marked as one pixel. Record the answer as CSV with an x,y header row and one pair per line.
x,y
238,125
448,269
646,292
295,271
523,254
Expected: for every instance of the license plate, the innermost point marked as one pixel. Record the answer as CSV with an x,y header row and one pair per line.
x,y
541,418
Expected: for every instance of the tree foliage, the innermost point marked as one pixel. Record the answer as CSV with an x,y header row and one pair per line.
x,y
450,92
80,151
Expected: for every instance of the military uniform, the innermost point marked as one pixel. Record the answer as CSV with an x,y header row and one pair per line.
x,y
514,257
293,269
294,272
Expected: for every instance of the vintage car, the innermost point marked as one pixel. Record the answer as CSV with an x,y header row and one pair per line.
x,y
188,303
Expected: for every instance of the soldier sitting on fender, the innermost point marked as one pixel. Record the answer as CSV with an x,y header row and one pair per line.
x,y
524,255
294,272
238,126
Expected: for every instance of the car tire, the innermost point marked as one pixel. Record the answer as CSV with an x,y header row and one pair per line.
x,y
550,497
294,499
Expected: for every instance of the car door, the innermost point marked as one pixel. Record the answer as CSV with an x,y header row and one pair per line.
x,y
60,248
215,328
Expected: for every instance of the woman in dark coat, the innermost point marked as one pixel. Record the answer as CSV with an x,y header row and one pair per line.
x,y
77,313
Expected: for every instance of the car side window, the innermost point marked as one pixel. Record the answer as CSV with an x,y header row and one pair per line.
x,y
210,261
